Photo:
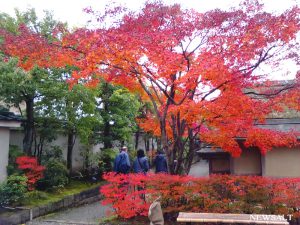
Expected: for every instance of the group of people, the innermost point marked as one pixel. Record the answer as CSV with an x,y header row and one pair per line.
x,y
140,164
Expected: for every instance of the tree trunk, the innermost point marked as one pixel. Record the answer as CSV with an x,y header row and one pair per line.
x,y
158,143
168,150
180,152
29,127
106,133
147,143
191,151
87,158
137,137
71,142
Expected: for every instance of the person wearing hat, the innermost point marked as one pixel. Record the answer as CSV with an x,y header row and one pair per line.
x,y
122,163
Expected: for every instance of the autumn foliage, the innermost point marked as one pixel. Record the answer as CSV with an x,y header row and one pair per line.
x,y
217,193
199,71
33,171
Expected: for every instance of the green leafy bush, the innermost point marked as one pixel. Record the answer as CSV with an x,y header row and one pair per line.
x,y
55,175
34,196
54,152
97,163
106,158
13,190
14,153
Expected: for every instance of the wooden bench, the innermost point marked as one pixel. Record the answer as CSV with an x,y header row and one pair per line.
x,y
190,218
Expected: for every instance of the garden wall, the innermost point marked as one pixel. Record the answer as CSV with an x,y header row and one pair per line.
x,y
61,141
282,162
4,140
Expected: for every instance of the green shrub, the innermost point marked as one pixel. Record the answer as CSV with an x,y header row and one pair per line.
x,y
54,152
106,158
13,190
97,163
55,175
14,152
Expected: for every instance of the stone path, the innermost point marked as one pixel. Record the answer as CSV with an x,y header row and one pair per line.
x,y
84,215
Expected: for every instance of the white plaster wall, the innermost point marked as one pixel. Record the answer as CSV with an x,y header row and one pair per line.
x,y
282,162
4,147
16,138
96,148
248,163
200,169
62,142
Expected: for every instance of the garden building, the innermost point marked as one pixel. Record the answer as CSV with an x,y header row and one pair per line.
x,y
8,120
279,162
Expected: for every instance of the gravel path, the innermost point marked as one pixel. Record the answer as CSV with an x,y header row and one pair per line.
x,y
84,215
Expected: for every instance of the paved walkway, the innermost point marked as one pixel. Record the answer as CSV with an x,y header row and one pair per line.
x,y
84,215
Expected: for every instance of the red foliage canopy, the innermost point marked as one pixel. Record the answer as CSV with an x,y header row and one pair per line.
x,y
198,70
32,169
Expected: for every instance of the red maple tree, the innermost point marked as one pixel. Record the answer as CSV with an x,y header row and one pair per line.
x,y
198,71
32,169
194,68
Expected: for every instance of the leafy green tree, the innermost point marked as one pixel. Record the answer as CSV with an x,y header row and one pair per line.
x,y
118,109
74,110
52,107
16,85
43,26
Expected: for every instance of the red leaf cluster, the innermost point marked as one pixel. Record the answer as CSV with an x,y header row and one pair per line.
x,y
32,169
130,195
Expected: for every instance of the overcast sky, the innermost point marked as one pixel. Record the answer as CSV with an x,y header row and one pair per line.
x,y
71,10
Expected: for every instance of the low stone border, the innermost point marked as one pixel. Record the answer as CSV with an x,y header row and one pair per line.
x,y
84,197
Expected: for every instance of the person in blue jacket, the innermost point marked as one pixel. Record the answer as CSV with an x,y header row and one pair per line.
x,y
160,163
122,163
141,164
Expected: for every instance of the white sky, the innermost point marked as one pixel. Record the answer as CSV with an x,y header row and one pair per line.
x,y
71,11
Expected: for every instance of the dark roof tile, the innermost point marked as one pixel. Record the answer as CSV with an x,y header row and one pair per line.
x,y
9,116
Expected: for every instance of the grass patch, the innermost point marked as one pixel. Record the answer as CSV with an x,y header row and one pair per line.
x,y
38,198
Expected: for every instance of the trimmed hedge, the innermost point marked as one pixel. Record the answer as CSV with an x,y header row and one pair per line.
x,y
130,195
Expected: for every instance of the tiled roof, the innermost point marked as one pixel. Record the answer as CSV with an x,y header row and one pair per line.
x,y
9,116
281,124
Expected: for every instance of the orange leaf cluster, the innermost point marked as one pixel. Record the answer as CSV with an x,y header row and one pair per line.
x,y
193,67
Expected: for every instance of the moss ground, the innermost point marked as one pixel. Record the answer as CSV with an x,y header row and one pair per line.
x,y
43,197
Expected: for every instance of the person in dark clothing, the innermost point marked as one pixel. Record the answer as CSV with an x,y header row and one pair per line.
x,y
141,164
122,163
160,163
5,222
